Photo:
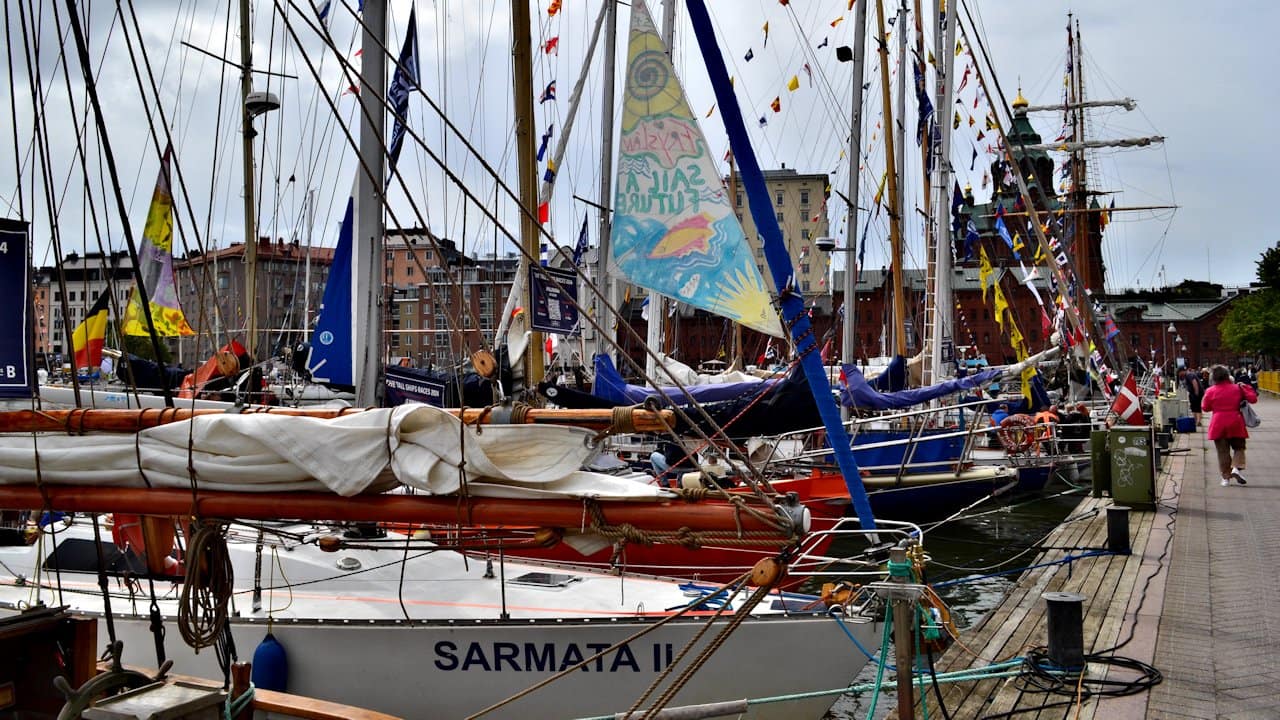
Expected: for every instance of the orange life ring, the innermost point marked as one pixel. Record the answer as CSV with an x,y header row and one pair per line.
x,y
1017,433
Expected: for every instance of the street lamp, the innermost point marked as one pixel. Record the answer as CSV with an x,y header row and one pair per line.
x,y
1165,342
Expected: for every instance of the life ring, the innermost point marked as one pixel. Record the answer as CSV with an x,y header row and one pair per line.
x,y
1017,433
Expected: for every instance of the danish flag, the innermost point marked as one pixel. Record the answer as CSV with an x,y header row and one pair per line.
x,y
1126,404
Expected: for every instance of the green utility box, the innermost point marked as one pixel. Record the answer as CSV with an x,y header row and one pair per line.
x,y
1099,462
1133,466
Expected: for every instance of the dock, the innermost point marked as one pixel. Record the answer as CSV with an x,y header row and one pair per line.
x,y
1198,599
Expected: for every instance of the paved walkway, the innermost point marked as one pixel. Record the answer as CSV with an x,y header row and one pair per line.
x,y
1218,637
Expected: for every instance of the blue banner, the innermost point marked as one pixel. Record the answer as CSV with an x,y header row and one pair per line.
x,y
15,322
555,308
330,358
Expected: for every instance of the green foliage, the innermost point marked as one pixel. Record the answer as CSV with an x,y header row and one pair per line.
x,y
1269,267
1252,325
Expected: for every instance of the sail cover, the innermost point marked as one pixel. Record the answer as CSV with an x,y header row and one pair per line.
x,y
674,231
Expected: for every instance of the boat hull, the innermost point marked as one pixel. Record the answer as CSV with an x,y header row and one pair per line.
x,y
452,670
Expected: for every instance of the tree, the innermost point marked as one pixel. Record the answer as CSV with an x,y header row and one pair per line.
x,y
1269,267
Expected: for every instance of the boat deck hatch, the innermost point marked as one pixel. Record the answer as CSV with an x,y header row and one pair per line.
x,y
545,580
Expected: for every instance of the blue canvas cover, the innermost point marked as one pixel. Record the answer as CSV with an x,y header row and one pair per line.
x,y
857,392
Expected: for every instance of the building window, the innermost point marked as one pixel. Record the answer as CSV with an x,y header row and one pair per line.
x,y
986,338
71,296
759,252
804,285
804,234
804,197
777,198
739,203
408,340
409,271
779,216
95,295
408,255
804,270
407,323
223,282
409,309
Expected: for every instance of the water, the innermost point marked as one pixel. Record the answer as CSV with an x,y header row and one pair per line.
x,y
993,537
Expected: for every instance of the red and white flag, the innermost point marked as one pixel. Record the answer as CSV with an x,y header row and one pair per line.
x,y
1126,404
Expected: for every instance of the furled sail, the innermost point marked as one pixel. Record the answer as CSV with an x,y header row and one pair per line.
x,y
155,267
674,231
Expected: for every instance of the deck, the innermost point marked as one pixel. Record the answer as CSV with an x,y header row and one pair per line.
x,y
1197,598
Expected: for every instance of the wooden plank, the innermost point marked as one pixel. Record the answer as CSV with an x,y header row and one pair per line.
x,y
993,636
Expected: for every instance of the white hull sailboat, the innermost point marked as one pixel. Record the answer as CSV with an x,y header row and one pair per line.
x,y
456,634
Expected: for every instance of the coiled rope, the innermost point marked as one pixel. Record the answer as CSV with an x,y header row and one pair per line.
x,y
206,591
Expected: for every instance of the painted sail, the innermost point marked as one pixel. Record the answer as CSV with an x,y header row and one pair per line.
x,y
674,231
155,267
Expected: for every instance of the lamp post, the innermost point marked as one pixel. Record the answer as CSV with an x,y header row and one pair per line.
x,y
1164,362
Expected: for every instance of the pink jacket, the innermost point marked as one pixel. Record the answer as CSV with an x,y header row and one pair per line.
x,y
1223,400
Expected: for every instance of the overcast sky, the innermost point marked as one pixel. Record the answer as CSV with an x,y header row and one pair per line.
x,y
1202,77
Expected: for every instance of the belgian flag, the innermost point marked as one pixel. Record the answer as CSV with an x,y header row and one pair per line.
x,y
88,336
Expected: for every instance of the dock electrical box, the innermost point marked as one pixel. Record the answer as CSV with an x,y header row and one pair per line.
x,y
1133,466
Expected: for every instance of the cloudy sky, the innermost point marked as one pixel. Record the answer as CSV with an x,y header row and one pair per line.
x,y
1199,75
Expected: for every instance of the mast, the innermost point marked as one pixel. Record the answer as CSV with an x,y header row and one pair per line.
x,y
607,99
895,211
849,339
526,151
250,232
657,307
940,315
368,261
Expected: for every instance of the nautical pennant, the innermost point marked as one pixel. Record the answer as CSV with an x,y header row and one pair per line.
x,y
549,93
546,138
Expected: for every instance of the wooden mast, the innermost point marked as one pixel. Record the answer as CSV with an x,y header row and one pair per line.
x,y
526,151
895,199
250,233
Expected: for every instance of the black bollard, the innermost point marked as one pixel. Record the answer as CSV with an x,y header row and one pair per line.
x,y
1118,530
1066,629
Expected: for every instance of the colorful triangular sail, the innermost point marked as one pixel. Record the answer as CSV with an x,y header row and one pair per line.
x,y
674,230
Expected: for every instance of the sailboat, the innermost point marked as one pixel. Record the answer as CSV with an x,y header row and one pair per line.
x,y
406,623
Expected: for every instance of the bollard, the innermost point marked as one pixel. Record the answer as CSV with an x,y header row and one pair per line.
x,y
1118,530
1066,629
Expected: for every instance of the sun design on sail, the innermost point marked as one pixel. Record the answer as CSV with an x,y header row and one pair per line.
x,y
674,230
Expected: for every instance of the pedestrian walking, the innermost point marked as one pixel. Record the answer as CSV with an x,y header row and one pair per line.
x,y
1195,393
1226,426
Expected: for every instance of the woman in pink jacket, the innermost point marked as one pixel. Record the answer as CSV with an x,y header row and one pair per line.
x,y
1226,427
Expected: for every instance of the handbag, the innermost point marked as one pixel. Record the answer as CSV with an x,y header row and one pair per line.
x,y
1251,418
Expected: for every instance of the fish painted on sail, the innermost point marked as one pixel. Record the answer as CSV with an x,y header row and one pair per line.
x,y
674,230
688,236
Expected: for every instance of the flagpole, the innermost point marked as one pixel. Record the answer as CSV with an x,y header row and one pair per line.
x,y
943,310
607,97
522,89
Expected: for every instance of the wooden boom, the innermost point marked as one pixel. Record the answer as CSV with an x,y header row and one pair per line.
x,y
133,420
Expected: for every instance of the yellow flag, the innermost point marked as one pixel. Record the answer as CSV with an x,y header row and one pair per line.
x,y
1027,374
155,266
1001,304
794,83
959,48
880,190
984,271
1016,341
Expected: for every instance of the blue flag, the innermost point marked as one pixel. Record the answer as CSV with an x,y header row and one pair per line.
x,y
1004,233
549,93
581,248
970,239
546,138
404,80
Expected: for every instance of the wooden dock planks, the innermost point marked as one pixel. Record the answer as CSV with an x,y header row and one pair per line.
x,y
1019,623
